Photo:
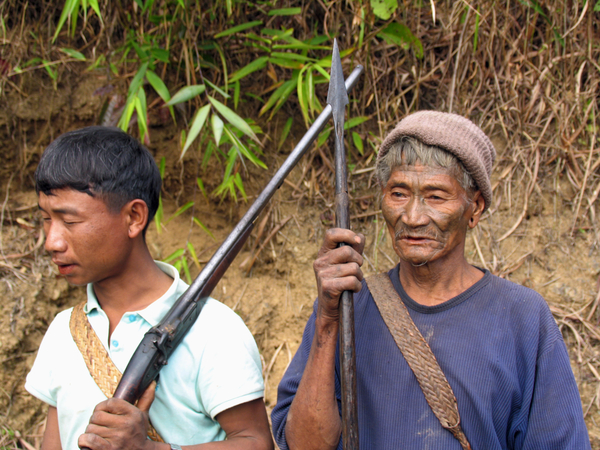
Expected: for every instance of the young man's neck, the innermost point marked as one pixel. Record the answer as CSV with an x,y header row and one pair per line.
x,y
140,283
437,282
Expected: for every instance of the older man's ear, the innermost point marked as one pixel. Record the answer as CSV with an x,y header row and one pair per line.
x,y
478,207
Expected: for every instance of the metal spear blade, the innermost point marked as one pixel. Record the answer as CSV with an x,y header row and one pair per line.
x,y
337,96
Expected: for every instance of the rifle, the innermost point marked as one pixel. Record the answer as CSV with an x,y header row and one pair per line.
x,y
159,343
337,97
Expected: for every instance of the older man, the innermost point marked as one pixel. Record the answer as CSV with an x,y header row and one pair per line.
x,y
495,342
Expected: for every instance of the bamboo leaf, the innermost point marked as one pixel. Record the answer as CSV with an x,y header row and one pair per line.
x,y
255,65
291,56
302,97
358,143
241,147
237,179
355,121
233,118
180,211
285,11
218,89
285,132
137,79
197,125
142,111
158,85
384,8
217,126
161,89
236,94
176,254
127,113
186,270
158,216
275,96
286,63
73,54
323,136
201,187
192,251
399,34
96,8
238,28
186,93
203,227
66,12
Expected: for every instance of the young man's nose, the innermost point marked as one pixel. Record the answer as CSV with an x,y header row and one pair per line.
x,y
55,241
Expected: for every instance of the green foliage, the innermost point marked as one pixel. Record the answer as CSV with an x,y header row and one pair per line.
x,y
71,12
400,34
384,9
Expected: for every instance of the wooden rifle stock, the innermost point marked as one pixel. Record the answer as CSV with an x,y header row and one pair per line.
x,y
161,341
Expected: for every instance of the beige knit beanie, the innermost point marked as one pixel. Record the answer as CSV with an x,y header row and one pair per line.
x,y
452,133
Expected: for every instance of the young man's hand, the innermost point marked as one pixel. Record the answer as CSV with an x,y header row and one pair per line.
x,y
117,424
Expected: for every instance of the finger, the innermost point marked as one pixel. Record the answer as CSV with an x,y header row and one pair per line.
x,y
147,398
114,406
333,287
336,236
360,246
342,255
92,442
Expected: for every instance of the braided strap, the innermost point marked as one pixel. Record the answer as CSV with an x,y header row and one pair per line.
x,y
102,369
418,355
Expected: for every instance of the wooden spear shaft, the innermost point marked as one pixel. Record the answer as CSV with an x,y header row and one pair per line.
x,y
337,97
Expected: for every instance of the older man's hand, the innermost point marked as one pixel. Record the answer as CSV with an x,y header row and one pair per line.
x,y
337,269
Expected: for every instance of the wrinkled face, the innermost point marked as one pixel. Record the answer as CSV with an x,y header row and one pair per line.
x,y
88,242
427,213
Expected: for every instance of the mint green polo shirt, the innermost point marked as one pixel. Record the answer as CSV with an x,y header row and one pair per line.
x,y
216,367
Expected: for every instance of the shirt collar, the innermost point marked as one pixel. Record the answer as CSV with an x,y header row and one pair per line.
x,y
154,312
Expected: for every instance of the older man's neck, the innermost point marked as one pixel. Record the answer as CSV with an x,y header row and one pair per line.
x,y
437,282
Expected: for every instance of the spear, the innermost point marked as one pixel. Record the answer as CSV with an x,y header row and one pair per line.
x,y
337,97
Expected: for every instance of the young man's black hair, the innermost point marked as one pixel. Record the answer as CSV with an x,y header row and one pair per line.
x,y
103,161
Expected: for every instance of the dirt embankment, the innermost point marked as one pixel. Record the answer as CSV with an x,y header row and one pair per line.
x,y
276,296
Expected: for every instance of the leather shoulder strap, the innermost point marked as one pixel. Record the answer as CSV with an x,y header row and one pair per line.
x,y
418,355
102,369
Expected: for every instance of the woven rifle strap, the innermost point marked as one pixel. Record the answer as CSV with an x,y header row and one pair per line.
x,y
418,355
102,369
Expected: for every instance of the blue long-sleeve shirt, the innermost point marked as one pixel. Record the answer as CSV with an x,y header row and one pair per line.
x,y
502,353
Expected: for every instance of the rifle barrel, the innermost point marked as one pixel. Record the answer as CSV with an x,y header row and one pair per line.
x,y
160,341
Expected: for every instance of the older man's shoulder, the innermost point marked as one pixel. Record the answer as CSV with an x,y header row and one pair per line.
x,y
518,300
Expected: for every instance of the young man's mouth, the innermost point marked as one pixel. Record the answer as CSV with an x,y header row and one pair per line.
x,y
65,269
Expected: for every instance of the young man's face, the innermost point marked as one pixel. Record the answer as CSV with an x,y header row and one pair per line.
x,y
88,242
427,213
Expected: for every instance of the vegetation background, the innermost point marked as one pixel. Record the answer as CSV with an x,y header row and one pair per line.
x,y
218,90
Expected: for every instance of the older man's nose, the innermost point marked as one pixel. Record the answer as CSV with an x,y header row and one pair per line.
x,y
414,214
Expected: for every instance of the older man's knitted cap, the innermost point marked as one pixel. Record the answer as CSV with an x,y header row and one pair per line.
x,y
452,133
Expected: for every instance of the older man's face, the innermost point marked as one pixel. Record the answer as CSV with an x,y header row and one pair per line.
x,y
427,213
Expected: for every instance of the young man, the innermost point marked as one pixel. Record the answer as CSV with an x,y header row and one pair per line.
x,y
496,343
98,189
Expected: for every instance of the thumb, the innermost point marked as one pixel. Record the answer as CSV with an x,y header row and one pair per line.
x,y
147,398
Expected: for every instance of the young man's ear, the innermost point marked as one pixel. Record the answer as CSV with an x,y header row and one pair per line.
x,y
137,216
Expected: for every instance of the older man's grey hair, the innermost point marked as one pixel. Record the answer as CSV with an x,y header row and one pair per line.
x,y
409,151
